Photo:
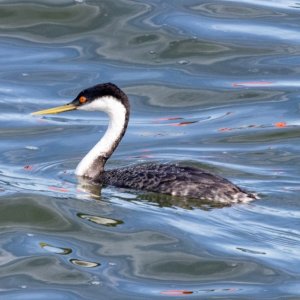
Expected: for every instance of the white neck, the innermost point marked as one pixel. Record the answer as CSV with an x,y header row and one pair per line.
x,y
93,163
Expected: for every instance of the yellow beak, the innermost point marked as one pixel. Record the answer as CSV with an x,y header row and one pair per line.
x,y
55,110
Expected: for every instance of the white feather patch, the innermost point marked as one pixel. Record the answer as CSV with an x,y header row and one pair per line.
x,y
117,113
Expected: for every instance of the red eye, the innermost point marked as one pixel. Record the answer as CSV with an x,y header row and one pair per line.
x,y
82,99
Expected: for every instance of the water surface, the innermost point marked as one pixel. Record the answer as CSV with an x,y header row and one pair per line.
x,y
213,84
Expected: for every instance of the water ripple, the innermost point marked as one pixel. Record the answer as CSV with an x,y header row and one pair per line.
x,y
212,84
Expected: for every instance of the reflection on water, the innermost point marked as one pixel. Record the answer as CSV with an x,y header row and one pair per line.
x,y
54,249
211,84
84,264
100,220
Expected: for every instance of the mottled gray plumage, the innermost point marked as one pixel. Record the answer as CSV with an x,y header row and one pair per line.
x,y
176,180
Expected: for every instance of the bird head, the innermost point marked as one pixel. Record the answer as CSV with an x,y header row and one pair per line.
x,y
102,97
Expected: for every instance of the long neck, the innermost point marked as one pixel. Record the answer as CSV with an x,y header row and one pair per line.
x,y
92,165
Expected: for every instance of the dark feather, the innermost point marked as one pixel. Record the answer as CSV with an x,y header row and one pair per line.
x,y
177,181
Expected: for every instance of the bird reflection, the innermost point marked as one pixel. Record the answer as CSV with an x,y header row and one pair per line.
x,y
161,200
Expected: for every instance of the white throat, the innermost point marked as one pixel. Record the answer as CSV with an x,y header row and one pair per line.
x,y
107,144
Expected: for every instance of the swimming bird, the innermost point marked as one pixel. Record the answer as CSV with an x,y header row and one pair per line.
x,y
171,179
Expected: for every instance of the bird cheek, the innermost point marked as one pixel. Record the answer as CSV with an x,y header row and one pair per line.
x,y
87,107
81,108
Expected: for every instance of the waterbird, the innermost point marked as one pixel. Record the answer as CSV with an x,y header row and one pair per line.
x,y
164,178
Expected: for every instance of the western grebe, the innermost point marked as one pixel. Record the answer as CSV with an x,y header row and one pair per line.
x,y
169,179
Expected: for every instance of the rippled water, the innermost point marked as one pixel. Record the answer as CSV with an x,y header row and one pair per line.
x,y
213,84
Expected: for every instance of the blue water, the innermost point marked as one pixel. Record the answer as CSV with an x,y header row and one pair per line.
x,y
213,84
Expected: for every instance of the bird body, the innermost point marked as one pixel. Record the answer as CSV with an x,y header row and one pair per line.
x,y
175,180
172,179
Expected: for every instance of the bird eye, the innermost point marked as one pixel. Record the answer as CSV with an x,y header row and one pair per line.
x,y
82,99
